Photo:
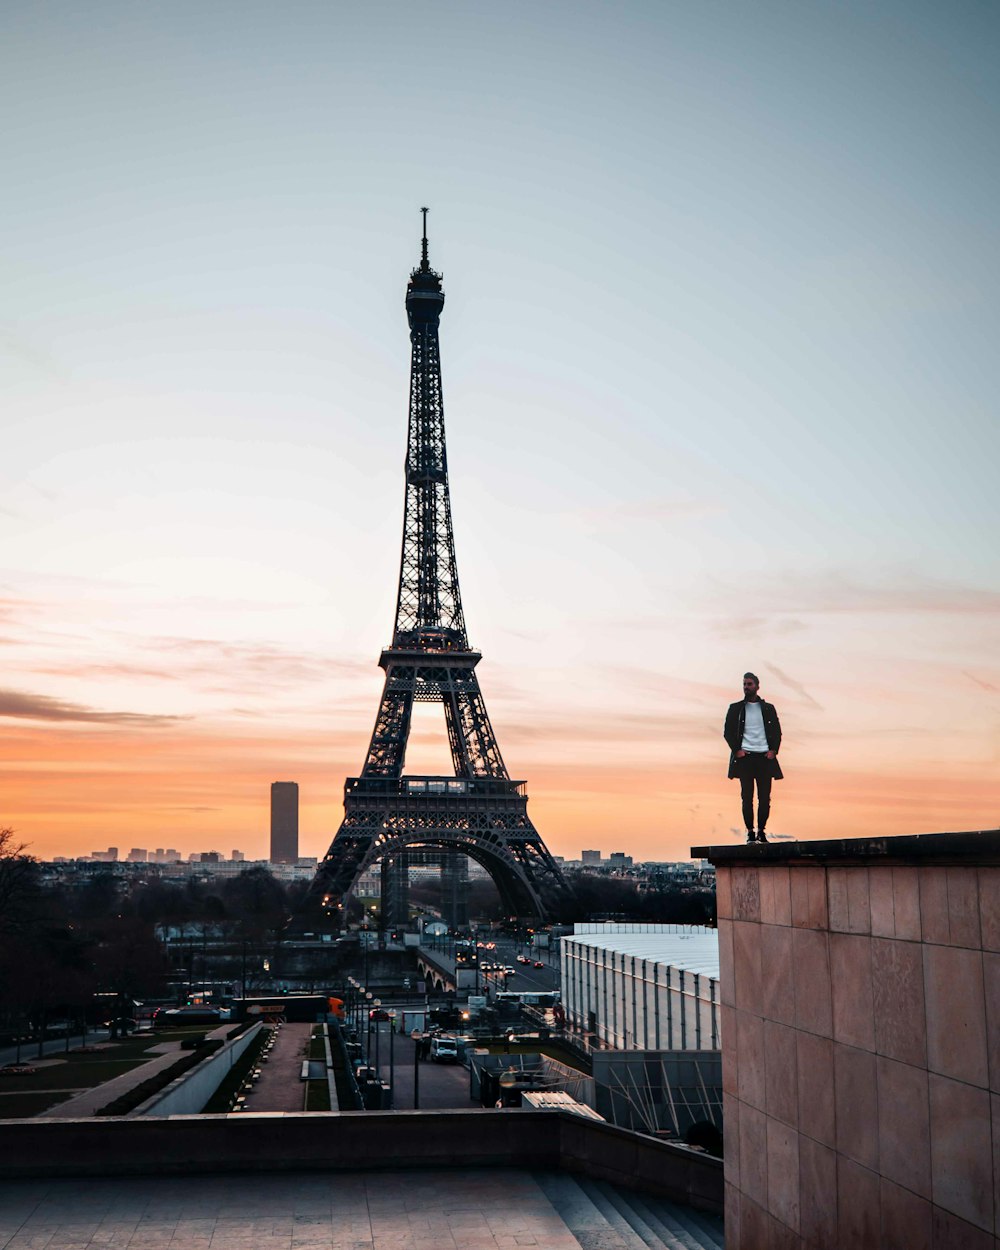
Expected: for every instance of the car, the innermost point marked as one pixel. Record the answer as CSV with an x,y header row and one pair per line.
x,y
378,1013
509,971
124,1024
539,964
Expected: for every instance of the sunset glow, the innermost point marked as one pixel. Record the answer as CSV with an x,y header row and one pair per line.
x,y
721,309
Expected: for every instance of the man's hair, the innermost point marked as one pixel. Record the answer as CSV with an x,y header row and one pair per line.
x,y
753,675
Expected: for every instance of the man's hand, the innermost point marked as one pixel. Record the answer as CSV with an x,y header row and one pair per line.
x,y
771,755
740,754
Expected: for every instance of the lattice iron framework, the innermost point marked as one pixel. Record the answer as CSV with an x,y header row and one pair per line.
x,y
479,811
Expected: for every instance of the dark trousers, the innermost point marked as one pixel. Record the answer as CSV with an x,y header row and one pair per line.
x,y
755,767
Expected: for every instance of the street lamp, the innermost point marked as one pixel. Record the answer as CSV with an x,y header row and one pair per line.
x,y
392,1064
377,1004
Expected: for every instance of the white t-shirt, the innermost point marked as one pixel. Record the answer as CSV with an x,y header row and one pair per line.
x,y
754,737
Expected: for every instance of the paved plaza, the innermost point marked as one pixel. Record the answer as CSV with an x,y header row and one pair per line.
x,y
461,1209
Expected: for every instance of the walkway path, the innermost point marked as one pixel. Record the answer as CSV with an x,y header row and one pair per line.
x,y
90,1101
281,1087
453,1209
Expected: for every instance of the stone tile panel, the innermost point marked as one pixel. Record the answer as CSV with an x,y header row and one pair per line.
x,y
991,994
731,1137
989,907
963,907
856,1094
817,1195
880,897
777,981
814,1072
898,998
961,1151
783,1173
906,1219
753,1154
723,893
813,1000
948,1232
775,896
851,974
781,1084
904,1125
859,918
732,1214
808,891
934,925
730,1051
836,895
753,1225
747,965
859,1223
746,894
727,984
956,1013
750,1077
906,903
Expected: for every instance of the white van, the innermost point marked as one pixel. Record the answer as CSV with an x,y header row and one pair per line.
x,y
444,1050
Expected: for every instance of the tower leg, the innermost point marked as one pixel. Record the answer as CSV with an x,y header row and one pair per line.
x,y
455,889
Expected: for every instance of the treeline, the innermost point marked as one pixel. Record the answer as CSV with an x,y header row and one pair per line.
x,y
73,950
597,896
594,896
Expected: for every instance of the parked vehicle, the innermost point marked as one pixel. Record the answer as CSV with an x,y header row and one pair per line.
x,y
185,1017
444,1050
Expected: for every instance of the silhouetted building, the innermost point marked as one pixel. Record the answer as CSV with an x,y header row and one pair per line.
x,y
590,857
284,822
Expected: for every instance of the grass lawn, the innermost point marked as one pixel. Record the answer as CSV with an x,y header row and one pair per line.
x,y
83,1071
24,1106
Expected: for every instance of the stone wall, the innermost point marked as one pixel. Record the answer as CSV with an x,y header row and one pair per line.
x,y
188,1093
358,1141
861,1042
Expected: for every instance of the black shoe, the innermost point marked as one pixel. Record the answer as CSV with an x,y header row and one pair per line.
x,y
750,836
761,835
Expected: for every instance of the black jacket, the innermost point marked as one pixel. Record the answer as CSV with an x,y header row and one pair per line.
x,y
733,733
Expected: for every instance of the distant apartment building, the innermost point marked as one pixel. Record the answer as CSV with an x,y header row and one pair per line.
x,y
137,855
237,857
590,857
618,859
110,856
284,822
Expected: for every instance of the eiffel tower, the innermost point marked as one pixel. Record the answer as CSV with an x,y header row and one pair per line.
x,y
479,811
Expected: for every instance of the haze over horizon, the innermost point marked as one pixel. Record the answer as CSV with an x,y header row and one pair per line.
x,y
721,304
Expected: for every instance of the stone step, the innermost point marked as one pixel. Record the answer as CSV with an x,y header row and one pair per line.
x,y
583,1219
693,1230
616,1206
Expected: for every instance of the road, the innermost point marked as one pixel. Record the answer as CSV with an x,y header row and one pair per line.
x,y
57,1046
441,1085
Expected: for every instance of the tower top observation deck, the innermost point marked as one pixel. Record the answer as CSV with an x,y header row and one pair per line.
x,y
424,297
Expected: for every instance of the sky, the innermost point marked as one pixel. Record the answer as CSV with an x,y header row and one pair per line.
x,y
722,301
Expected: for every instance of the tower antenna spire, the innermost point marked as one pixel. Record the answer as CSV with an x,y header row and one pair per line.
x,y
424,262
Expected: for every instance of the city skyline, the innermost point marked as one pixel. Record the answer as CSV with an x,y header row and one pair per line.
x,y
721,296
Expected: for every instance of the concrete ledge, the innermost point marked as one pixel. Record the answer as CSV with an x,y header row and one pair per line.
x,y
642,1163
357,1141
981,846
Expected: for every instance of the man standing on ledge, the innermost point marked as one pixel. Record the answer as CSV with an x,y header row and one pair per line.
x,y
753,732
